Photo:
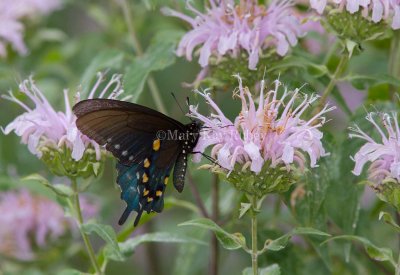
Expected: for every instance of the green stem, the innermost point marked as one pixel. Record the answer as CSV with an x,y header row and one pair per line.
x,y
394,57
79,219
254,249
332,83
155,92
214,253
397,267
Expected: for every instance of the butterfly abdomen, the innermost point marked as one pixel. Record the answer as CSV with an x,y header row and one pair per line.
x,y
180,172
191,135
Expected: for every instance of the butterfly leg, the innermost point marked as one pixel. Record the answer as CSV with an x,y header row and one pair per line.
x,y
214,161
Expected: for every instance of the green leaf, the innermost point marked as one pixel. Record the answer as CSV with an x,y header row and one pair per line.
x,y
153,4
107,233
379,92
362,82
277,244
70,271
350,46
188,255
228,241
159,55
308,199
247,271
316,70
244,207
389,220
60,189
281,242
128,247
343,189
376,253
309,231
173,202
105,60
269,270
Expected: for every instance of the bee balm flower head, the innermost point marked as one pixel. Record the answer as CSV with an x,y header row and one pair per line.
x,y
375,10
31,222
12,14
265,138
48,132
228,29
382,154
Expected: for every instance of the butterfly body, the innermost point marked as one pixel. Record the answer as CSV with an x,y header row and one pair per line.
x,y
147,145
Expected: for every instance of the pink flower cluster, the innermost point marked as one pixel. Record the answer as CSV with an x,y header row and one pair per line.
x,y
272,131
384,155
29,221
377,9
43,126
227,29
11,14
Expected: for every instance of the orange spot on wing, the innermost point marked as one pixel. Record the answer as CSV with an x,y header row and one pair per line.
x,y
156,145
145,178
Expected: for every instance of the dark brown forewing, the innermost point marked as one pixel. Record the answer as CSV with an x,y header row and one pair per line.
x,y
126,129
168,153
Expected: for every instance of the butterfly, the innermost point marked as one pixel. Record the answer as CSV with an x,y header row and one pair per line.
x,y
147,145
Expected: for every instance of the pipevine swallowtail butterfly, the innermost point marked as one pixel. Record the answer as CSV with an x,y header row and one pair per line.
x,y
147,145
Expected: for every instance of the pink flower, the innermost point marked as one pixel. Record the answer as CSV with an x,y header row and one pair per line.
x,y
11,30
29,221
272,131
43,126
384,155
31,8
12,12
226,29
395,4
376,9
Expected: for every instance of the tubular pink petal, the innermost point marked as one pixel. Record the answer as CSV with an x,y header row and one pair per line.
x,y
377,11
170,12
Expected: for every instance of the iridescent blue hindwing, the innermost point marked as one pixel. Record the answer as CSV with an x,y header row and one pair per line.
x,y
143,185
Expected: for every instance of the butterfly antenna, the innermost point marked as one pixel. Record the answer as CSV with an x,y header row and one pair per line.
x,y
176,100
188,103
